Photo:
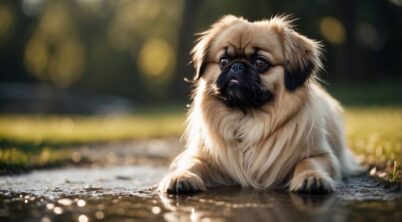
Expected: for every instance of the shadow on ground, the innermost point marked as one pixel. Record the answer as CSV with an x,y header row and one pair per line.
x,y
116,189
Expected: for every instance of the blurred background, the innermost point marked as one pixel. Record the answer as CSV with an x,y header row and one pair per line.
x,y
78,72
98,56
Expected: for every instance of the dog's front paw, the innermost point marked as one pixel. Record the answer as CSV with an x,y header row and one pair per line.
x,y
181,182
312,182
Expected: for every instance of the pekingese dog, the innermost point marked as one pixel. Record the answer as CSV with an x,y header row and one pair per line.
x,y
259,118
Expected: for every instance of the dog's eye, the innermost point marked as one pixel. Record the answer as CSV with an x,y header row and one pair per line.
x,y
260,63
223,62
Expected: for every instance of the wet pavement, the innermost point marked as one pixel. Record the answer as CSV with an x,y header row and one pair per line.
x,y
125,192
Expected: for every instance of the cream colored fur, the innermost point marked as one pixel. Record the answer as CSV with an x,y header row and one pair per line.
x,y
295,141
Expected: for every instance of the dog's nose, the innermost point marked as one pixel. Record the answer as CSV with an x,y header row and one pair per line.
x,y
237,67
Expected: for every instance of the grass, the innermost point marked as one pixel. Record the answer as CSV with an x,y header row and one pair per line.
x,y
84,129
373,133
31,141
375,136
13,159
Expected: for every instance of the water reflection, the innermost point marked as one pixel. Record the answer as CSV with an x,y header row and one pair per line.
x,y
230,204
242,205
90,195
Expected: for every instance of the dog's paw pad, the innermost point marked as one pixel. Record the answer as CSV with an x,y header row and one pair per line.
x,y
181,182
312,182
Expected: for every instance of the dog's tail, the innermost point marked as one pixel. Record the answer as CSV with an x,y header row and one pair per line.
x,y
350,166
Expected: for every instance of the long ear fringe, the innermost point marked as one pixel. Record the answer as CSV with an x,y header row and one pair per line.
x,y
302,55
200,51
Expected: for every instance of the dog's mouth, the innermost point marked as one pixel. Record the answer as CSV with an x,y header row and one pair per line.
x,y
242,91
234,82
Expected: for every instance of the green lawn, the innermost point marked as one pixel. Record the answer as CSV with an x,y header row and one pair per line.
x,y
374,134
38,140
82,129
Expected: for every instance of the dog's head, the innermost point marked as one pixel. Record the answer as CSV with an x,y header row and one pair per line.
x,y
246,64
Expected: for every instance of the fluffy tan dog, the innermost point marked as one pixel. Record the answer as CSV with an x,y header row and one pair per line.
x,y
259,118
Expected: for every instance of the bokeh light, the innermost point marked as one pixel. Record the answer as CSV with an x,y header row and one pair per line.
x,y
37,57
396,2
32,7
333,30
368,36
6,20
132,21
156,59
54,52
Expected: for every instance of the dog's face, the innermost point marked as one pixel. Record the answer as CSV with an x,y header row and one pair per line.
x,y
247,64
239,82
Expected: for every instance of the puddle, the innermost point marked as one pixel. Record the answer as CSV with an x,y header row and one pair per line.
x,y
124,194
84,181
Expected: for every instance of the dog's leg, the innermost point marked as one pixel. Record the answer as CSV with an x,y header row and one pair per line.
x,y
315,175
186,178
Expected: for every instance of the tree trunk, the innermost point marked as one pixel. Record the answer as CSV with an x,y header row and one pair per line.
x,y
180,89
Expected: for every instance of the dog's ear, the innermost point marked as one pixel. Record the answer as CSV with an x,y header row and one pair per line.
x,y
301,54
200,51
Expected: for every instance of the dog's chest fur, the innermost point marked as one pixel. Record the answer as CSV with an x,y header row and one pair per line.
x,y
251,151
255,149
244,132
